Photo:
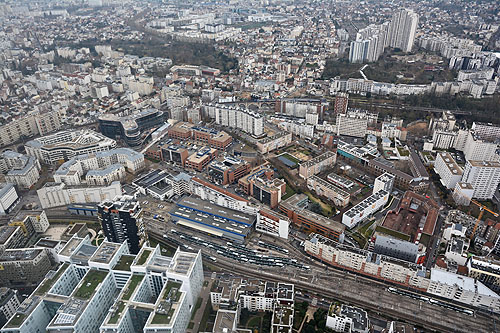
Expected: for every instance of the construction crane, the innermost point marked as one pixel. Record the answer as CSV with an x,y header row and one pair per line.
x,y
482,208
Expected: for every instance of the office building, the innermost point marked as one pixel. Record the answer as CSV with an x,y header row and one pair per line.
x,y
21,170
8,198
365,208
317,164
272,223
449,171
9,303
219,140
121,221
23,267
101,168
65,145
175,154
59,194
326,189
97,289
227,170
485,270
132,129
276,141
296,209
261,185
199,160
483,176
402,31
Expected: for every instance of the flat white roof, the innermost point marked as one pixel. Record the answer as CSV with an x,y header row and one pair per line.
x,y
463,282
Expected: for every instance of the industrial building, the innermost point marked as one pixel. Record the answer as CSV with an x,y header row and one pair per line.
x,y
212,219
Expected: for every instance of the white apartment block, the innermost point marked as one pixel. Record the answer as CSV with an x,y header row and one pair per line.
x,y
365,208
105,289
449,171
65,145
344,318
402,29
21,170
59,194
352,123
444,139
462,193
28,126
274,142
317,164
383,182
235,117
8,198
9,302
391,131
100,168
486,131
477,149
483,176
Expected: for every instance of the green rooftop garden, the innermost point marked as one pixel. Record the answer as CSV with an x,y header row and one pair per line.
x,y
124,263
114,318
168,288
90,282
144,257
16,320
403,152
163,319
134,281
47,284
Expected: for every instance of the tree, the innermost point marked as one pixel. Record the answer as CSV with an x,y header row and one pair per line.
x,y
316,207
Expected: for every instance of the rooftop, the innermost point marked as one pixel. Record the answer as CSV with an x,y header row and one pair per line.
x,y
89,283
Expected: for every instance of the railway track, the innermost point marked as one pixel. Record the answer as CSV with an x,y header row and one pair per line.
x,y
411,311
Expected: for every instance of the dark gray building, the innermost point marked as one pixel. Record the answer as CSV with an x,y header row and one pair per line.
x,y
396,248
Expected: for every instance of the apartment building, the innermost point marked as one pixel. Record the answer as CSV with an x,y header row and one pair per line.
x,y
276,141
479,149
174,153
317,164
365,208
248,121
8,198
29,126
121,221
200,160
23,267
353,123
11,237
483,176
449,171
59,194
65,145
101,168
21,170
9,303
326,189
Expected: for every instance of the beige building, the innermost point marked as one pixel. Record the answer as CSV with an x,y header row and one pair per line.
x,y
317,164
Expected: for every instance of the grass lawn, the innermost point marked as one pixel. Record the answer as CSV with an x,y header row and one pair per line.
x,y
364,229
144,257
392,233
289,192
254,322
90,282
205,317
327,209
291,158
196,307
166,250
403,152
134,281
